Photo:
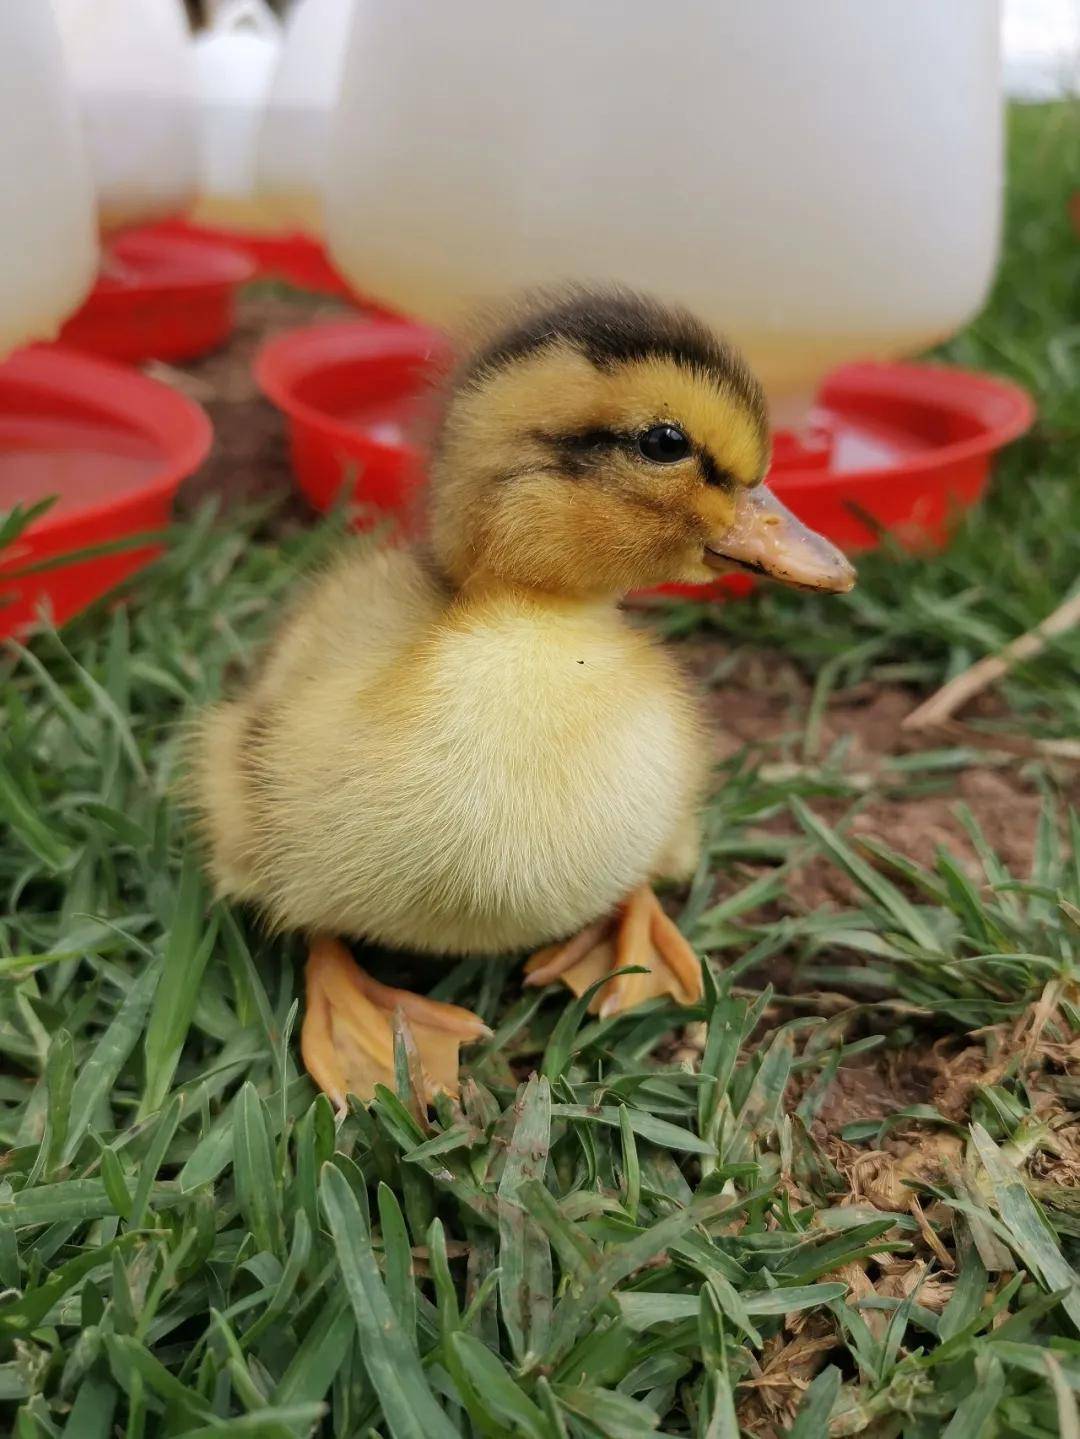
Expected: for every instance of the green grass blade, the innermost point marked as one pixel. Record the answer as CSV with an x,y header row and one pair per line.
x,y
607,1412
904,914
642,1311
109,1056
648,1126
524,1251
576,1308
392,1363
1030,1237
91,1415
24,817
257,1191
397,1255
155,1157
293,1421
312,1368
720,1421
505,1404
20,1315
130,1358
812,1420
973,1416
1068,1415
186,952
59,1084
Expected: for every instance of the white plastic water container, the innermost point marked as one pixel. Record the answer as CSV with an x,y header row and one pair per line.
x,y
235,60
295,140
131,65
48,241
1040,41
820,181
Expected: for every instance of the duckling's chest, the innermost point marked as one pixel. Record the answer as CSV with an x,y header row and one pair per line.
x,y
560,759
539,702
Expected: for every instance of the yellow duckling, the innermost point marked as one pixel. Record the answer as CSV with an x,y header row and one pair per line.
x,y
466,748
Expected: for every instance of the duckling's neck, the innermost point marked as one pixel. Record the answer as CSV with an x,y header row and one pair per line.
x,y
483,590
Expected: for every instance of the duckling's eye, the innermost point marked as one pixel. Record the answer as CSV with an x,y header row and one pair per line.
x,y
664,444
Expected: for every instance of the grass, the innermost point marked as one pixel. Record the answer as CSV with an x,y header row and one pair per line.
x,y
614,1234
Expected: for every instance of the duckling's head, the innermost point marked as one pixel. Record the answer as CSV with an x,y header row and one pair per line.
x,y
601,442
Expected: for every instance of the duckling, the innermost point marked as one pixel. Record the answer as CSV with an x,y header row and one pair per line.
x,y
465,748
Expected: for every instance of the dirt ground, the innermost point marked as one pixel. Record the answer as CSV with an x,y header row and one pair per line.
x,y
763,702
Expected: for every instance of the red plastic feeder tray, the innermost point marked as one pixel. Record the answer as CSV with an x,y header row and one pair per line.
x,y
160,298
112,446
892,448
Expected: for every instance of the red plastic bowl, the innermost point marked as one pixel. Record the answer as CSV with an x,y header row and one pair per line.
x,y
160,298
113,446
354,392
288,255
900,449
910,444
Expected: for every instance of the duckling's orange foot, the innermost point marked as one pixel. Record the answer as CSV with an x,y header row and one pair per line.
x,y
640,934
348,1035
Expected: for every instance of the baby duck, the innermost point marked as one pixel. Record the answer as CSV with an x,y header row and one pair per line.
x,y
465,747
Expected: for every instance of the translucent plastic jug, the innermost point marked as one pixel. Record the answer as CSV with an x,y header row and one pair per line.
x,y
294,146
48,242
235,60
821,181
131,64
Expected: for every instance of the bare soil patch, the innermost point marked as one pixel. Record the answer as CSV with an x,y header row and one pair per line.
x,y
763,702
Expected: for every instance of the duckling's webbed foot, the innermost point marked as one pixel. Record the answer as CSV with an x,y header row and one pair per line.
x,y
640,934
348,1035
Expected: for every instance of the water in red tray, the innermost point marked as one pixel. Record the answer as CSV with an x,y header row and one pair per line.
x,y
862,445
82,464
401,421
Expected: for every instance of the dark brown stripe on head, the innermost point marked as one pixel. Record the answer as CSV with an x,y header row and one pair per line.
x,y
615,327
712,474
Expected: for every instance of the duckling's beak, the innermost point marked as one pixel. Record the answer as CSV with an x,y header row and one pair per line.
x,y
766,539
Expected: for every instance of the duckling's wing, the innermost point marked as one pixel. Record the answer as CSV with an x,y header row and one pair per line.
x,y
346,628
357,617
